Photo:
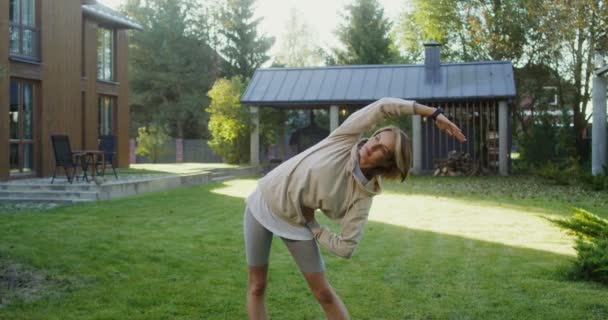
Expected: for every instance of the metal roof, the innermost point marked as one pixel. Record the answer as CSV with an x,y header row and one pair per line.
x,y
601,71
285,87
110,16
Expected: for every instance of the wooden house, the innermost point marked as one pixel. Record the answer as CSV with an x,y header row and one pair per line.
x,y
64,71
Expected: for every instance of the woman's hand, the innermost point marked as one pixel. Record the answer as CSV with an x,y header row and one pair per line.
x,y
443,123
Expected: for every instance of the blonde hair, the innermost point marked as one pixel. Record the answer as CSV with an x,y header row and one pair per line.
x,y
398,166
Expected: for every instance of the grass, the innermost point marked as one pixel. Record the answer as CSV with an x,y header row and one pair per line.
x,y
522,192
185,167
133,171
152,168
465,248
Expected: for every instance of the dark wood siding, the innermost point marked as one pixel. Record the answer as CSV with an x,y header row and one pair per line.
x,y
24,70
4,83
107,88
90,84
61,23
67,86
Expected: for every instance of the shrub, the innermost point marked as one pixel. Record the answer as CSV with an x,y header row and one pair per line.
x,y
229,122
563,173
571,172
598,182
548,138
152,142
539,144
591,244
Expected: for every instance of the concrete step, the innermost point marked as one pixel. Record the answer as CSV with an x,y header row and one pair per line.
x,y
49,187
221,178
49,195
44,200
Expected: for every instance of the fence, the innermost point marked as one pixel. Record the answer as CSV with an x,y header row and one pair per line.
x,y
180,150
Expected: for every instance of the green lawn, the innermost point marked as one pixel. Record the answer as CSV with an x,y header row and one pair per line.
x,y
435,248
184,167
122,171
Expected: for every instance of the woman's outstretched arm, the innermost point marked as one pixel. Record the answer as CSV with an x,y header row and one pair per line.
x,y
369,116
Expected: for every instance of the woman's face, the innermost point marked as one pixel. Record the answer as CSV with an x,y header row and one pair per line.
x,y
377,149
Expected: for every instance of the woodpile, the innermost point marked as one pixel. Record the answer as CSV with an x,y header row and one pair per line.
x,y
459,164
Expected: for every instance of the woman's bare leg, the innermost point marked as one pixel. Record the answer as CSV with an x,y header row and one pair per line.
x,y
327,297
256,287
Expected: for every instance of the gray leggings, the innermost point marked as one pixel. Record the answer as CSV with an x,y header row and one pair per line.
x,y
257,247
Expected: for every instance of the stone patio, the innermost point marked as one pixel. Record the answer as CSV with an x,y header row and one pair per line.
x,y
40,190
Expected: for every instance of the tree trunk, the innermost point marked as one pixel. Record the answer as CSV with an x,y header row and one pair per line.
x,y
580,125
579,118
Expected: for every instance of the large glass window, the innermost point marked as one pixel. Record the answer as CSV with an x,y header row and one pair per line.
x,y
105,115
13,113
105,54
23,31
21,126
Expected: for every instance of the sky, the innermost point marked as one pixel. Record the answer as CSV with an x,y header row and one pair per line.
x,y
322,15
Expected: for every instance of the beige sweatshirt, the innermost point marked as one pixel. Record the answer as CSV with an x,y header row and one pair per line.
x,y
322,178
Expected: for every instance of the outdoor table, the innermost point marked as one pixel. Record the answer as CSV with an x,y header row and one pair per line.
x,y
93,157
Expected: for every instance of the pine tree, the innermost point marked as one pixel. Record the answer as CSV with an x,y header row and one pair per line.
x,y
243,48
172,66
366,35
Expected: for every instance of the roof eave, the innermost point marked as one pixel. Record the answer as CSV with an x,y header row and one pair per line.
x,y
376,66
114,20
311,103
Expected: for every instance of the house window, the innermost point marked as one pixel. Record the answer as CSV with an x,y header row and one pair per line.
x,y
550,95
105,115
105,54
23,30
21,126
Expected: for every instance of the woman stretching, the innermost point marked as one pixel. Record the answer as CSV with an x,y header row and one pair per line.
x,y
338,176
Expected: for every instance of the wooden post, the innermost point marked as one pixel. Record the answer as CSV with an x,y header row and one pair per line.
x,y
598,134
333,118
503,139
255,137
417,144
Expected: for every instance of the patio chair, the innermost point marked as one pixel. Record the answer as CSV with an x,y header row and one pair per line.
x,y
64,157
107,144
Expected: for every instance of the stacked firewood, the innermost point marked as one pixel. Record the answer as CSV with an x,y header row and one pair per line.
x,y
458,164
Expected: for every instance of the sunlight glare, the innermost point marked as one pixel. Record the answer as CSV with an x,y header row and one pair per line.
x,y
497,224
467,219
240,188
180,168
